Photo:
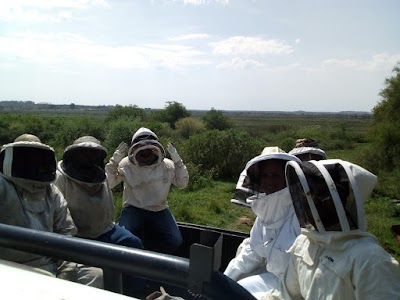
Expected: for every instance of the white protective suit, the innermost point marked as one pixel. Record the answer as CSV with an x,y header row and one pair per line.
x,y
343,264
147,187
91,204
31,204
337,265
273,232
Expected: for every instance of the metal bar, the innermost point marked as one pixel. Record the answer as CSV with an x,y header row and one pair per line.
x,y
147,264
164,268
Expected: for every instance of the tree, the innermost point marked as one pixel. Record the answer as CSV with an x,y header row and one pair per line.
x,y
224,152
131,111
386,121
215,119
172,112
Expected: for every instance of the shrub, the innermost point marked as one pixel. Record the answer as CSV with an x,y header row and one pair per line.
x,y
189,126
224,152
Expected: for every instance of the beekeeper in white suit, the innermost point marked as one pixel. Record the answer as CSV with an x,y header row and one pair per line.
x,y
28,197
275,227
334,257
147,176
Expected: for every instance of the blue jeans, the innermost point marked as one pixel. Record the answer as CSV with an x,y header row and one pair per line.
x,y
132,286
120,236
158,229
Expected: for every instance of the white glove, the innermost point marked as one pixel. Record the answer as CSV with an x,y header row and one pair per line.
x,y
120,152
173,153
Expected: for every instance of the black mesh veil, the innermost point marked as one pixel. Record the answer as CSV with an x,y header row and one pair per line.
x,y
323,195
28,162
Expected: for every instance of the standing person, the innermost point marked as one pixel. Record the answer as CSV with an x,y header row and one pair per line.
x,y
275,227
147,176
82,179
334,257
307,149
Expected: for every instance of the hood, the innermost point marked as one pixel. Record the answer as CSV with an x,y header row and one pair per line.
x,y
143,133
84,160
26,160
329,195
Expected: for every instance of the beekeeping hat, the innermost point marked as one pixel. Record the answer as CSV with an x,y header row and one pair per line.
x,y
309,148
145,140
83,160
28,158
249,177
329,195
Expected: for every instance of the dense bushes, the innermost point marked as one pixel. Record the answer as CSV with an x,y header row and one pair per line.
x,y
383,157
224,152
218,154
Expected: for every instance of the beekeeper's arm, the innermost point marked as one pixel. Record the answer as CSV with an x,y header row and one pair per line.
x,y
63,223
368,284
114,176
181,178
247,260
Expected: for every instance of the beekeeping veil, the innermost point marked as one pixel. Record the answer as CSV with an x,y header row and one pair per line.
x,y
329,194
145,150
249,178
84,160
248,182
27,159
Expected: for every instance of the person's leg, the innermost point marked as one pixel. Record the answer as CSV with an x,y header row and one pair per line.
x,y
132,286
121,236
83,274
132,219
162,232
257,285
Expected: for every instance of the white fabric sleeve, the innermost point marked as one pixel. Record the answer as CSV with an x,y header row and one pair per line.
x,y
114,177
63,223
376,275
181,174
247,260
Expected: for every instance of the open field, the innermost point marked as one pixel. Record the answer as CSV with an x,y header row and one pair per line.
x,y
341,136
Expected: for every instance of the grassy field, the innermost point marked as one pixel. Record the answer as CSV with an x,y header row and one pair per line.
x,y
211,205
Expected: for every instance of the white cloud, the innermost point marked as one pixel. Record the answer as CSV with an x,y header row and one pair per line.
x,y
40,11
193,36
202,2
240,64
381,60
241,45
66,47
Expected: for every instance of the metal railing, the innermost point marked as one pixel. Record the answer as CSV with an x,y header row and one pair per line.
x,y
199,273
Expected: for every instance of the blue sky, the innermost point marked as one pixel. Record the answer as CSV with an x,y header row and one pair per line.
x,y
313,55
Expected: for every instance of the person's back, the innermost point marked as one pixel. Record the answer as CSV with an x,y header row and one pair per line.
x,y
29,199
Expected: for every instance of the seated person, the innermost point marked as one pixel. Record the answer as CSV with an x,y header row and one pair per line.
x,y
334,257
29,199
275,227
147,176
307,149
82,180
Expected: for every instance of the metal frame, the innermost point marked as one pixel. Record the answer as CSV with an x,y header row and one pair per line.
x,y
199,273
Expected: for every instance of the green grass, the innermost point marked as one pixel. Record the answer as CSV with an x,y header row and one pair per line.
x,y
381,214
210,206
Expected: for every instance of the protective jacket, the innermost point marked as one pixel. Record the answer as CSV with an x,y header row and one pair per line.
x,y
270,237
330,265
147,187
91,204
42,209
